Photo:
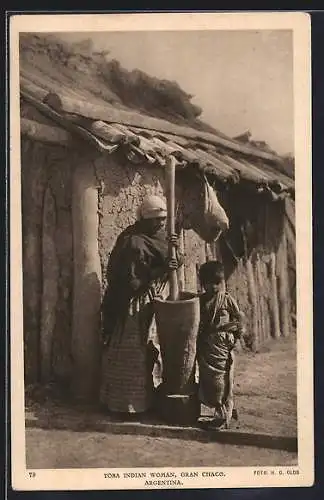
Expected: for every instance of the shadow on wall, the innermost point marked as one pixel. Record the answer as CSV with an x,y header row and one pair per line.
x,y
86,338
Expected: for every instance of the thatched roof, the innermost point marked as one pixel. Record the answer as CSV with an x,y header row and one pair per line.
x,y
89,108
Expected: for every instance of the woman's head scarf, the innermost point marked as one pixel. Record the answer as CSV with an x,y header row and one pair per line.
x,y
152,206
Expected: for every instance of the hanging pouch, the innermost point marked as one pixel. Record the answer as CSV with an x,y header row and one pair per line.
x,y
215,215
215,219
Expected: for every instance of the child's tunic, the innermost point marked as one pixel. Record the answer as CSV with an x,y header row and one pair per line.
x,y
215,348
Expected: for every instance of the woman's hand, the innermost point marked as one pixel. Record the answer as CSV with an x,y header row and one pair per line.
x,y
174,240
173,264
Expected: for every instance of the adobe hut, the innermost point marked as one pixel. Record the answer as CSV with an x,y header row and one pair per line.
x,y
87,160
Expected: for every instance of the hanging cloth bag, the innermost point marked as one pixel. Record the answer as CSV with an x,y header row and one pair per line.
x,y
215,218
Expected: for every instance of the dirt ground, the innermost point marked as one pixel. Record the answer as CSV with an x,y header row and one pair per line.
x,y
266,388
265,392
66,449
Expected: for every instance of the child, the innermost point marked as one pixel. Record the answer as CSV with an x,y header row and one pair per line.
x,y
220,328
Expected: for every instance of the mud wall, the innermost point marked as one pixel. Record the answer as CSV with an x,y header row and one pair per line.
x,y
47,260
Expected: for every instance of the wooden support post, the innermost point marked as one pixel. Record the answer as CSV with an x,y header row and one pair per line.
x,y
274,304
87,285
283,287
260,301
253,303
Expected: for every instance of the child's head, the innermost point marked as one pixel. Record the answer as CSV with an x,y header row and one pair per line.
x,y
212,276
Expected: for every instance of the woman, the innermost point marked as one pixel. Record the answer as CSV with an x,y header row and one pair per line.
x,y
221,326
137,272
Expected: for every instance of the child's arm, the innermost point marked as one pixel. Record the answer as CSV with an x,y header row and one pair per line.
x,y
236,315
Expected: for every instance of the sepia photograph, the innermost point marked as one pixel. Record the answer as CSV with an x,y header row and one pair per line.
x,y
161,328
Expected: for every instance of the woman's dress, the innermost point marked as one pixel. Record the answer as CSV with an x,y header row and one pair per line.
x,y
131,364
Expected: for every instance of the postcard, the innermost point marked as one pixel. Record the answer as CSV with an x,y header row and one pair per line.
x,y
161,251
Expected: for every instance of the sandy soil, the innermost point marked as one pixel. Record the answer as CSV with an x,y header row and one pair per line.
x,y
67,449
266,388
